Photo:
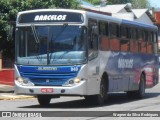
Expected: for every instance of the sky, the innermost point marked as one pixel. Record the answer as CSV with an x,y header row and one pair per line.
x,y
155,3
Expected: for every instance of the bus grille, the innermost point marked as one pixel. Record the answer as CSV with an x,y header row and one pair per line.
x,y
49,79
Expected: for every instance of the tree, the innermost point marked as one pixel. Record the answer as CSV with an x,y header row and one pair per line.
x,y
119,1
9,10
139,4
135,3
94,2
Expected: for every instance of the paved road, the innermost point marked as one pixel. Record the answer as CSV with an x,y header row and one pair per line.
x,y
117,102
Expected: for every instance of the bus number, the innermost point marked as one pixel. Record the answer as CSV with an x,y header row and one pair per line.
x,y
74,68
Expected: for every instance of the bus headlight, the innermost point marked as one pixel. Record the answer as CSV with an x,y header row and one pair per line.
x,y
24,81
77,80
19,79
73,81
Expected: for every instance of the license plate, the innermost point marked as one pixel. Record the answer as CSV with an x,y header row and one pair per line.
x,y
47,90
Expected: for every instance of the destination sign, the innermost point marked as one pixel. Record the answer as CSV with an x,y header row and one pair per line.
x,y
37,17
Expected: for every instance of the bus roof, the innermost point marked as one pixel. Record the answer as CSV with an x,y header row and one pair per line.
x,y
138,24
96,15
50,10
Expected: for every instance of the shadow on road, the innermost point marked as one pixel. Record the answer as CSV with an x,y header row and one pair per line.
x,y
115,98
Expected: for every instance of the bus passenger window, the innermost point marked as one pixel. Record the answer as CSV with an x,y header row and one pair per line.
x,y
139,35
123,32
114,30
124,42
124,45
134,41
103,32
133,45
114,40
141,41
144,42
149,43
155,43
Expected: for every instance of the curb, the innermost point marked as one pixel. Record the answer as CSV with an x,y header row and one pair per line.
x,y
12,96
7,93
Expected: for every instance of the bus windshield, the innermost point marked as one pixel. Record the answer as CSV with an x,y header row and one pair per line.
x,y
51,45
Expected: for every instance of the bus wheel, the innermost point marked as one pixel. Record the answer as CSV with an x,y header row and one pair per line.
x,y
101,97
141,91
44,100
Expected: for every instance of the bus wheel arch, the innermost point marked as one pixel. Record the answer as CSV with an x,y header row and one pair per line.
x,y
100,98
140,92
104,85
106,80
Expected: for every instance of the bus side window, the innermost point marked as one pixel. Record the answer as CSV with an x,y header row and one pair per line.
x,y
134,41
114,34
144,42
155,42
124,41
150,43
139,39
92,38
103,36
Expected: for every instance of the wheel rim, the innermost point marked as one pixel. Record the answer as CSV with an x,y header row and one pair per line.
x,y
102,91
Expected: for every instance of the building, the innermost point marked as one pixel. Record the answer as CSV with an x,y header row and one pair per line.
x,y
124,11
144,15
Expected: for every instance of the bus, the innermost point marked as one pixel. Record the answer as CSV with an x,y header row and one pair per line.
x,y
62,52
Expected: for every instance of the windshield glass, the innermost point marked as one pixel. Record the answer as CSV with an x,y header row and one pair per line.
x,y
51,45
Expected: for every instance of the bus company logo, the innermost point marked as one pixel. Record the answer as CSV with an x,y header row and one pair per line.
x,y
50,17
47,68
125,63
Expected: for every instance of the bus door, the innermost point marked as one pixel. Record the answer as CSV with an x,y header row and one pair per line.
x,y
93,60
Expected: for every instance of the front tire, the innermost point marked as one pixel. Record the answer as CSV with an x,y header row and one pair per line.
x,y
44,100
101,97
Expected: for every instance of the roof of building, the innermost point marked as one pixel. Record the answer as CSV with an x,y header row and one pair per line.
x,y
115,8
139,12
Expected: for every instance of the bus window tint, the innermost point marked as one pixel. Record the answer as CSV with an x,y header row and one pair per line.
x,y
123,32
103,32
155,43
124,41
124,45
134,41
114,41
143,42
150,43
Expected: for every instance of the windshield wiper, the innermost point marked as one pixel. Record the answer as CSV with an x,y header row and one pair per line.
x,y
61,31
36,39
35,33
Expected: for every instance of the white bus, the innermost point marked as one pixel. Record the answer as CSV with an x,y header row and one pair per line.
x,y
63,52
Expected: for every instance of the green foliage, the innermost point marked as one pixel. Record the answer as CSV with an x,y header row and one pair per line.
x,y
135,3
139,4
9,10
95,2
119,1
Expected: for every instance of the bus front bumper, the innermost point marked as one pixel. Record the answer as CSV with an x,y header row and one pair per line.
x,y
79,89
